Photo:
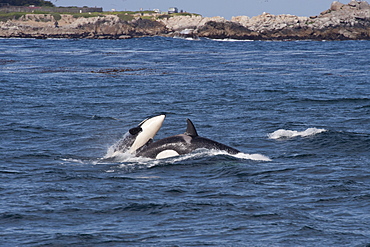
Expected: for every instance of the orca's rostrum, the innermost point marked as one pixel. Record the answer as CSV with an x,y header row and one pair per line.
x,y
139,141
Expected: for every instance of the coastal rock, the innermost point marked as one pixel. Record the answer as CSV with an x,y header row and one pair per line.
x,y
144,27
364,5
226,30
187,26
181,22
268,21
178,23
335,6
106,27
340,22
81,21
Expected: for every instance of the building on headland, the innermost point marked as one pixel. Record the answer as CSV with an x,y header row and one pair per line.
x,y
173,10
33,8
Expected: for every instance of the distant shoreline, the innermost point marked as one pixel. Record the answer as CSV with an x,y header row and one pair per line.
x,y
341,22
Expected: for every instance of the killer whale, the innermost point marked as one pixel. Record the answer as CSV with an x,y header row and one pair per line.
x,y
140,135
181,144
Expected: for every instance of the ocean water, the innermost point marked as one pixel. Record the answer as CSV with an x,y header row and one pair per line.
x,y
298,111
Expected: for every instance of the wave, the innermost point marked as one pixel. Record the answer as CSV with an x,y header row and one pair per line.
x,y
282,133
201,153
338,100
128,160
233,40
119,156
256,157
186,38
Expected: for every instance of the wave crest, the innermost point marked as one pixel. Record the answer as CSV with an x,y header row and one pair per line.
x,y
282,133
200,153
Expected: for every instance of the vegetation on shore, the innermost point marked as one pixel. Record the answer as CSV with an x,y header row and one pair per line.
x,y
40,3
57,16
11,16
123,15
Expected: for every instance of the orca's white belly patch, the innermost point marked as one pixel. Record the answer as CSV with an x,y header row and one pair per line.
x,y
166,154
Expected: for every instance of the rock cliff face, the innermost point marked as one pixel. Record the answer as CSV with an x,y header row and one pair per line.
x,y
106,27
340,22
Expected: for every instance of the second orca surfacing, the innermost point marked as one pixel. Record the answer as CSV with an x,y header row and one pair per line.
x,y
181,144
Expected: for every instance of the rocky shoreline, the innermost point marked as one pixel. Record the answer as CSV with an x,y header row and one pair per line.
x,y
341,22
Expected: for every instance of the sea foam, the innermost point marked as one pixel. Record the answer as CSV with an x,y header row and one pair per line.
x,y
282,133
127,157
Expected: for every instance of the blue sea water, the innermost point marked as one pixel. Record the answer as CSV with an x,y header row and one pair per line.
x,y
299,112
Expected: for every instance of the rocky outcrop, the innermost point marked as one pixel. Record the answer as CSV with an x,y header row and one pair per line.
x,y
105,27
339,22
178,23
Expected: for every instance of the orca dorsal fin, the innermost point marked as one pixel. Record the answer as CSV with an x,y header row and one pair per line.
x,y
190,129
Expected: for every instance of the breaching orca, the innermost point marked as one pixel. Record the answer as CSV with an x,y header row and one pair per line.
x,y
140,135
181,144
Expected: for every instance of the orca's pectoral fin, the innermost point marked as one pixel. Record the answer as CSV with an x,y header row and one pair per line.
x,y
190,129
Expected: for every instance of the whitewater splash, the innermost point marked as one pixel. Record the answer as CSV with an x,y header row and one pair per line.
x,y
209,153
130,162
127,157
233,40
282,133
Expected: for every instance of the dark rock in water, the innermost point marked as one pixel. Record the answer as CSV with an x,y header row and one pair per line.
x,y
226,30
145,27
